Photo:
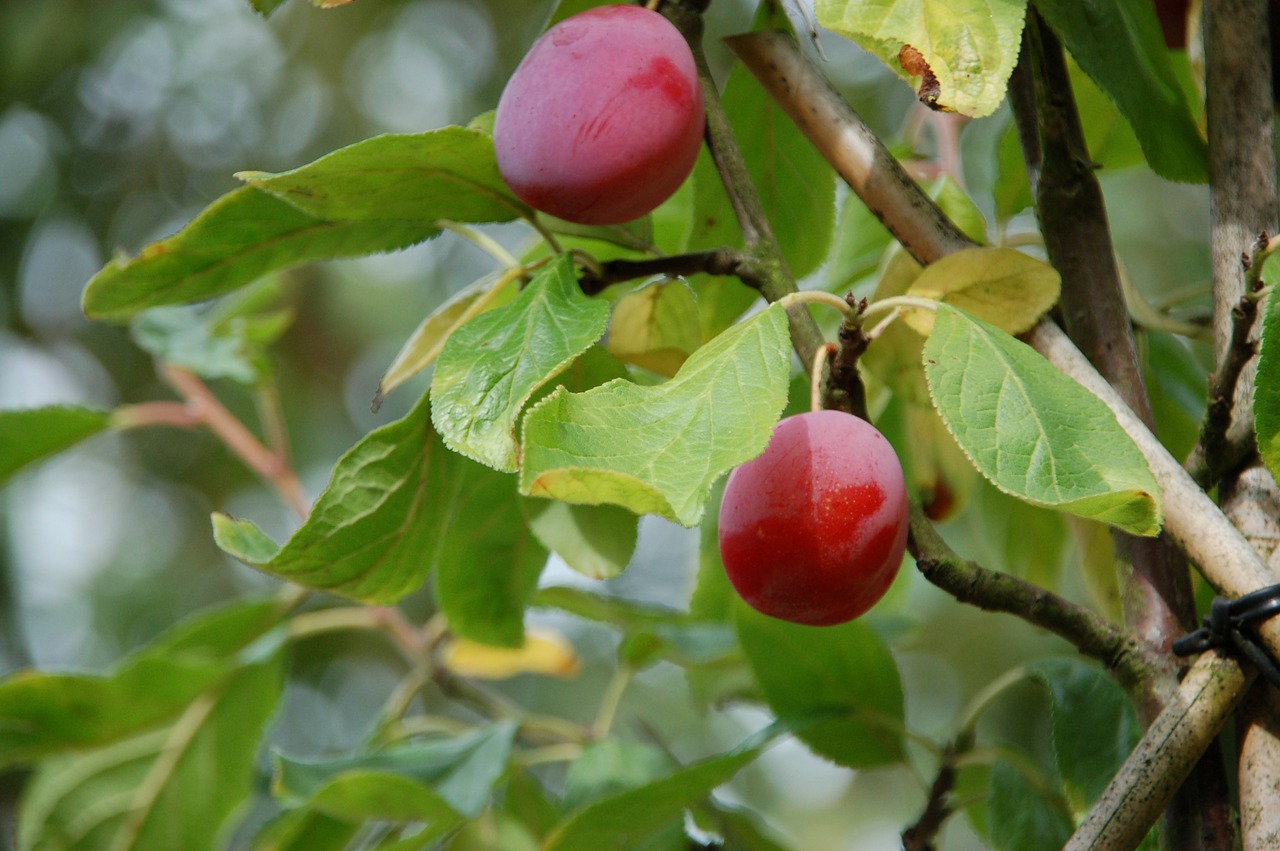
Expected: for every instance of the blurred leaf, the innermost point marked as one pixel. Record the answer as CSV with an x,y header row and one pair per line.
x,y
170,788
450,173
1266,391
47,713
1012,189
1020,817
859,245
610,766
967,50
492,365
358,796
1094,726
894,357
937,469
659,449
595,540
721,300
237,239
495,832
462,770
424,344
228,340
843,675
1046,439
656,327
623,821
304,829
797,186
1178,386
31,434
635,235
623,614
1120,46
543,652
399,505
265,7
1003,287
953,200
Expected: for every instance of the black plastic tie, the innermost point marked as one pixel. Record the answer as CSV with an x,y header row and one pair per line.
x,y
1231,626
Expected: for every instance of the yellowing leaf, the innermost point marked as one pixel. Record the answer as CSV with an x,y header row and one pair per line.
x,y
1000,286
424,344
656,327
543,652
958,53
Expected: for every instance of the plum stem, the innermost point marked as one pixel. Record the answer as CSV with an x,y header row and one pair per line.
x,y
820,358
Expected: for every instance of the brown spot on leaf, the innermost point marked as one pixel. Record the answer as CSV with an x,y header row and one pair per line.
x,y
913,62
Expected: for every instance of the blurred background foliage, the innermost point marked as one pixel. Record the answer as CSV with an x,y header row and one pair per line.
x,y
121,119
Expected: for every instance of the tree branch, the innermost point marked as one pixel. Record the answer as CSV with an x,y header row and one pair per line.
x,y
855,152
1130,661
1157,596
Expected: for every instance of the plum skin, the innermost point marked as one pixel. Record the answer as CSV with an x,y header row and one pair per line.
x,y
813,531
603,119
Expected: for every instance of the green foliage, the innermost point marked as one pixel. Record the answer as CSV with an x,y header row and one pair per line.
x,y
659,449
172,787
554,421
237,239
839,685
50,713
32,434
491,366
1266,393
970,47
1120,46
1046,440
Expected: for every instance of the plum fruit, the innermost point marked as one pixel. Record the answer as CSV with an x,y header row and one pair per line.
x,y
813,531
603,118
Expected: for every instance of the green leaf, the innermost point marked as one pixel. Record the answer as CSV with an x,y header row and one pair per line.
x,y
656,327
843,675
970,46
46,713
304,829
28,435
623,821
1094,726
1020,816
659,449
462,770
1006,288
237,239
358,796
595,540
399,505
1120,46
1266,391
1033,432
797,186
490,367
450,173
610,766
424,344
171,788
265,7
228,340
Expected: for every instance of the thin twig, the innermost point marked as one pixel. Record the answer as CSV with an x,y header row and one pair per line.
x,y
1127,658
203,406
719,261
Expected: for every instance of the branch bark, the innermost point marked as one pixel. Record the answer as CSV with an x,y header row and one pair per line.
x,y
1156,594
1242,204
